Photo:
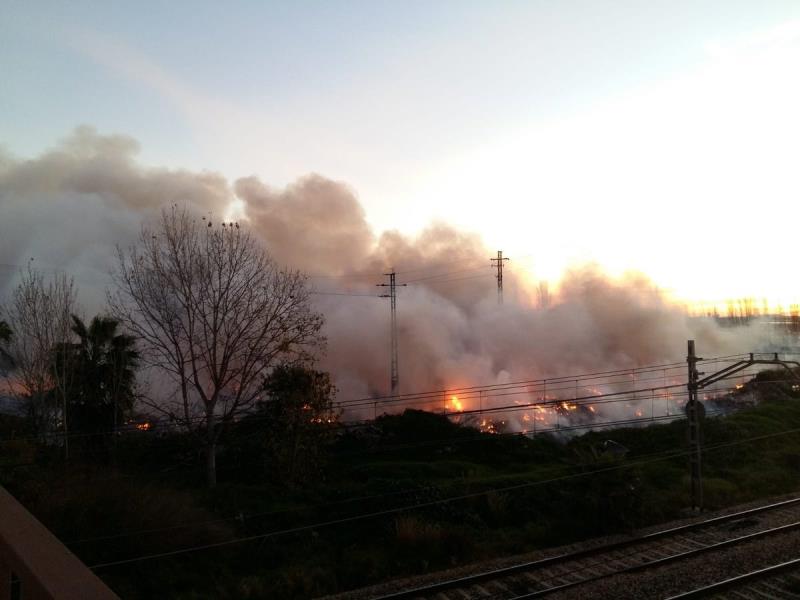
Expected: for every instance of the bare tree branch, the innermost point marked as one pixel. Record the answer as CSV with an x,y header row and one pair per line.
x,y
215,313
39,316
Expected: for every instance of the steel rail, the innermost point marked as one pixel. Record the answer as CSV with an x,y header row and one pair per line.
x,y
665,560
737,581
579,554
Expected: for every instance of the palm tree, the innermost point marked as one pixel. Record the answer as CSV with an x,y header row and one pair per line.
x,y
102,364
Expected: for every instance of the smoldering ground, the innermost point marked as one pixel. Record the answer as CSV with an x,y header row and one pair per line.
x,y
68,208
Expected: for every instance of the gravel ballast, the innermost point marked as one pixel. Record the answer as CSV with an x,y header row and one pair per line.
x,y
660,582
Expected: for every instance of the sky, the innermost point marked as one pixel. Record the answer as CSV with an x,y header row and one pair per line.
x,y
654,136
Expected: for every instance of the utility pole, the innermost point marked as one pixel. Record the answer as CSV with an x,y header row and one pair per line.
x,y
500,263
392,295
693,410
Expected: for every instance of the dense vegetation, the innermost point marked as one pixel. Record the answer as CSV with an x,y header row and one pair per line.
x,y
515,493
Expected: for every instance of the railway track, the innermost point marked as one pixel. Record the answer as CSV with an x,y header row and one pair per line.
x,y
546,576
778,581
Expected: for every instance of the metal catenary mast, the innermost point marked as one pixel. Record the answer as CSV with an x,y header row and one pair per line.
x,y
392,295
500,263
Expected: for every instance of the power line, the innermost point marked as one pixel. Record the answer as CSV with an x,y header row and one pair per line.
x,y
461,439
553,404
440,281
541,381
457,262
437,266
344,294
480,436
445,274
396,510
361,517
486,436
591,400
437,393
380,496
428,281
500,390
345,276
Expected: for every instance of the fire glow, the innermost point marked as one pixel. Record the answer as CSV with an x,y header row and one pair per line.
x,y
455,404
537,411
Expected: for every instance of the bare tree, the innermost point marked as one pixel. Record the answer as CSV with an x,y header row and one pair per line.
x,y
214,312
39,316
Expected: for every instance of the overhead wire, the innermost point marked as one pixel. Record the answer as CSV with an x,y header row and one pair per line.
x,y
344,276
466,496
514,391
568,381
344,294
431,280
531,431
592,425
350,519
448,273
454,280
540,381
439,265
242,516
436,393
480,436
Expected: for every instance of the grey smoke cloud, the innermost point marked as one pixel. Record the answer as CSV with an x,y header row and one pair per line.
x,y
71,205
315,224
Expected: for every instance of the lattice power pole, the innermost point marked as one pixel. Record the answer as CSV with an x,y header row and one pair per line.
x,y
392,295
694,409
500,263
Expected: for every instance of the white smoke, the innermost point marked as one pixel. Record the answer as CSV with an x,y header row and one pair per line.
x,y
69,207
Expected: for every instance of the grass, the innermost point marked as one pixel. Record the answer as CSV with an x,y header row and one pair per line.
x,y
586,494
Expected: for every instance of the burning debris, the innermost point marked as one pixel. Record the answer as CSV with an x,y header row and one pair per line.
x,y
617,400
455,404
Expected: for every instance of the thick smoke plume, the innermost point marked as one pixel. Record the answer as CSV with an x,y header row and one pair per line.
x,y
68,208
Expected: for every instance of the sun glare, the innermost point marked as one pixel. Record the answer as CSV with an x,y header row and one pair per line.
x,y
235,211
666,178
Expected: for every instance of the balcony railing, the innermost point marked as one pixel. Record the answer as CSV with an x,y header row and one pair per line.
x,y
35,565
